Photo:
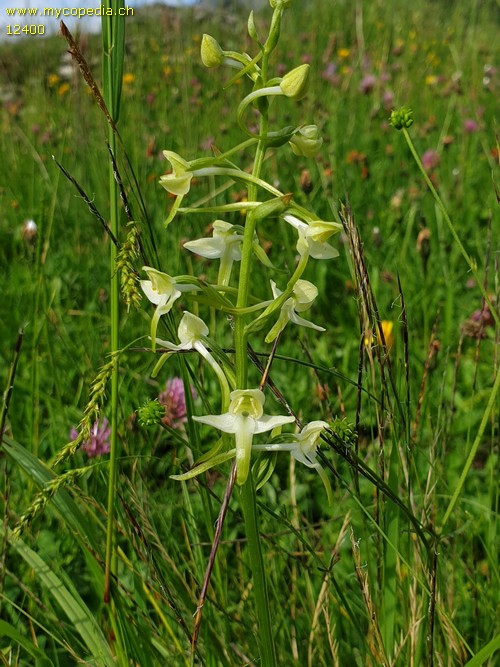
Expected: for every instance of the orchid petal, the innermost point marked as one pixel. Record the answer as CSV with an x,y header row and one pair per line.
x,y
226,422
243,440
268,422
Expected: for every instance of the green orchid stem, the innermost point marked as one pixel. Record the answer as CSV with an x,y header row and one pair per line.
x,y
249,507
248,501
276,304
470,261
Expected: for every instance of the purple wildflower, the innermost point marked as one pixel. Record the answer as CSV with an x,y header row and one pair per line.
x,y
388,100
367,84
430,160
98,442
470,126
174,400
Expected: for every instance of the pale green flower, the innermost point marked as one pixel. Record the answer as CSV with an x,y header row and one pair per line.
x,y
303,447
225,245
162,290
313,236
192,332
179,181
245,418
301,299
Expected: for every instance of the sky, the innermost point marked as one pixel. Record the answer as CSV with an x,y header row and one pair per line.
x,y
51,23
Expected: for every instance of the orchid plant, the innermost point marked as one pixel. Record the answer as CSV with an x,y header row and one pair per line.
x,y
242,418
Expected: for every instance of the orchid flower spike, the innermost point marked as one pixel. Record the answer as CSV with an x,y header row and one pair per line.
x,y
225,245
313,237
303,447
301,299
245,418
162,290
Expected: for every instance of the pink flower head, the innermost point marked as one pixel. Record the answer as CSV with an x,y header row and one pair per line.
x,y
430,160
367,84
174,400
98,442
470,126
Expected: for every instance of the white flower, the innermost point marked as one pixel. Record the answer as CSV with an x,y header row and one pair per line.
x,y
191,332
313,237
303,447
162,290
303,295
225,245
245,418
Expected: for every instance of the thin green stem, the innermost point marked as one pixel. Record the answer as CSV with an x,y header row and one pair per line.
x,y
113,52
248,501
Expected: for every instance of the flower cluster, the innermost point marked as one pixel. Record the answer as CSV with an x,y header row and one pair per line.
x,y
173,400
241,417
98,442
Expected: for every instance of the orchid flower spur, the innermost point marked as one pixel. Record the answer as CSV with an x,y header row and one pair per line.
x,y
162,290
245,418
225,245
301,299
303,447
192,331
313,237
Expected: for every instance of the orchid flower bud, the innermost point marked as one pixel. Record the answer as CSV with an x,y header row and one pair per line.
x,y
295,84
211,53
306,141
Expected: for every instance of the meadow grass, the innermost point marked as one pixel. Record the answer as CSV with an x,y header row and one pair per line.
x,y
386,575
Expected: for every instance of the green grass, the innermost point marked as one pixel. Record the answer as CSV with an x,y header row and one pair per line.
x,y
416,435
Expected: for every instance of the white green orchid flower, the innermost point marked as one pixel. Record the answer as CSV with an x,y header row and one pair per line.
x,y
245,418
192,332
313,236
225,245
303,295
179,181
303,447
162,290
306,141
